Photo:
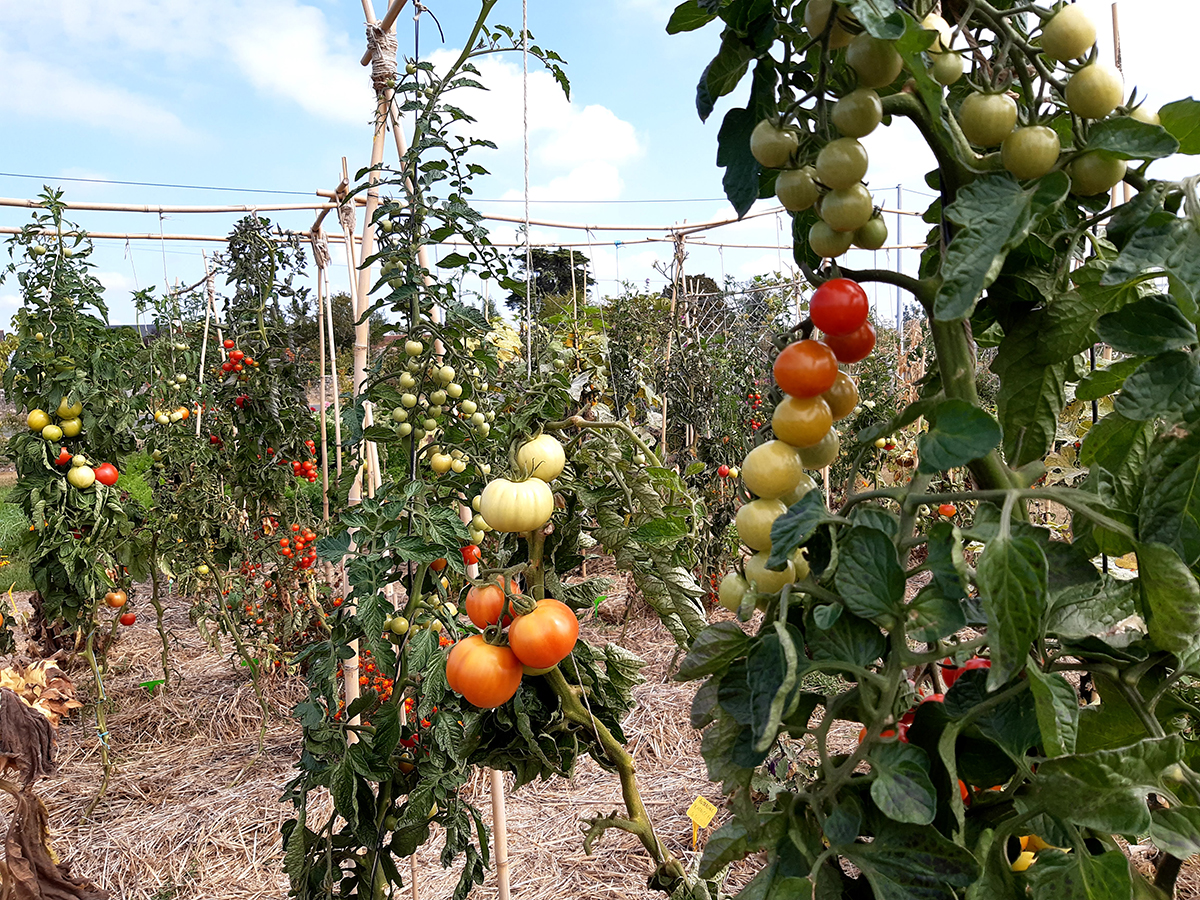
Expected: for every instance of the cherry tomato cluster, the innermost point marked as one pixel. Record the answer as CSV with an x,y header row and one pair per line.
x,y
237,361
299,547
304,469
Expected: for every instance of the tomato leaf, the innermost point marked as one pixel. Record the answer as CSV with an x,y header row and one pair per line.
x,y
1120,446
721,76
902,789
933,616
1170,507
1057,707
795,527
1166,387
688,16
881,18
1031,394
847,639
871,516
1106,381
1146,327
1127,138
958,434
1107,789
1176,830
1171,596
869,577
912,862
733,152
946,561
995,214
1182,119
714,648
773,673
1080,876
1164,242
725,845
1012,577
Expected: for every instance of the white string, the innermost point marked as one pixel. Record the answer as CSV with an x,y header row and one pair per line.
x,y
525,148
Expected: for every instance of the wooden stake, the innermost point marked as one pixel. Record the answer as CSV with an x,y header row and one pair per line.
x,y
500,830
208,314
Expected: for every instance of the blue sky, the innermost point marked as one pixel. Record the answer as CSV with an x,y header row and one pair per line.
x,y
268,95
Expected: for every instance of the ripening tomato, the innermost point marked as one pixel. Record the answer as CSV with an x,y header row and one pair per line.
x,y
947,510
485,602
116,599
486,675
546,636
128,618
951,673
438,565
107,474
852,347
805,369
842,397
801,421
471,554
64,457
839,306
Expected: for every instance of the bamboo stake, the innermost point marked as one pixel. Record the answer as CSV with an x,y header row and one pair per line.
x,y
208,314
500,830
321,394
1117,60
143,208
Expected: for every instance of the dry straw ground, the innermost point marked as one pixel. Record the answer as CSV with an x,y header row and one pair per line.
x,y
193,812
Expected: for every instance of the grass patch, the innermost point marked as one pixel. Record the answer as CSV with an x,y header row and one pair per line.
x,y
13,525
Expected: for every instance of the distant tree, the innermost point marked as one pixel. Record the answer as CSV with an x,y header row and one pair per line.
x,y
552,280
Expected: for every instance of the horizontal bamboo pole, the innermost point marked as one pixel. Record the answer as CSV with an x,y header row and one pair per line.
x,y
123,236
21,203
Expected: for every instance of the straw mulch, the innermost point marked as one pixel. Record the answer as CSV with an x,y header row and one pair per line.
x,y
193,810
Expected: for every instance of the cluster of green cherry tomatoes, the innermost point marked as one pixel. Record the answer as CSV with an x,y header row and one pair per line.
x,y
832,180
816,395
81,474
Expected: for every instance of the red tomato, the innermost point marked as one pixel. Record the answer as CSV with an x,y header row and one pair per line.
x,y
438,564
951,673
226,367
471,554
546,636
853,347
723,471
805,369
485,675
128,618
237,356
64,457
106,473
947,510
839,306
484,603
228,344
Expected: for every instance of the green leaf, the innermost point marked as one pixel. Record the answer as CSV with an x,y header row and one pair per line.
x,y
1176,830
912,862
773,673
664,532
1170,509
733,153
959,433
848,639
1127,138
946,562
871,516
1171,596
795,527
1093,611
1107,789
902,789
1080,876
1182,119
869,577
1057,711
688,16
453,261
1103,382
842,826
1164,242
1146,327
1012,576
725,845
1120,446
995,214
933,617
1167,387
1031,395
334,547
881,18
714,648
1011,724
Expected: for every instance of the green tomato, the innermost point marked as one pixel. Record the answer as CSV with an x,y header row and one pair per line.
x,y
795,189
733,588
816,20
841,163
847,209
445,374
404,429
468,407
414,348
1069,34
1030,152
1095,173
771,145
408,400
399,414
873,235
1144,113
823,453
437,398
947,67
875,61
827,243
858,113
934,22
454,389
1095,91
987,119
407,381
52,433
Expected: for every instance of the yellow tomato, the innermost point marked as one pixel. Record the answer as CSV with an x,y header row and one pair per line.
x,y
543,457
754,521
516,506
772,469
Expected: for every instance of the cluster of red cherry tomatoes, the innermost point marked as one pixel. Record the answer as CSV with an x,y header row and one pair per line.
x,y
299,547
237,361
303,469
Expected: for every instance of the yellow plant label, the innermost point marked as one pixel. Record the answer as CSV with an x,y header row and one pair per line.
x,y
701,812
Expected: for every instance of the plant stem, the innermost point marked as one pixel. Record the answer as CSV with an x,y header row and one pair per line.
x,y
101,722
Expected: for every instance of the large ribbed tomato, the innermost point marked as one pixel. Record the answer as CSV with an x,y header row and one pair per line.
x,y
543,457
485,602
487,676
514,506
546,636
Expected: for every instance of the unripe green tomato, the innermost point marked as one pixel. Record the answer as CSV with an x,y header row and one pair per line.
x,y
639,459
445,374
454,389
1144,113
404,429
451,610
175,416
202,570
52,433
485,429
491,416
987,119
435,411
754,521
429,424
413,366
841,163
157,455
934,22
440,463
407,381
823,453
827,243
163,418
418,434
875,61
479,523
771,145
485,469
767,580
816,19
873,235
733,588
408,400
800,563
475,503
1095,91
438,398
795,189
1069,34
478,419
858,113
398,625
37,250
414,348
399,414
458,466
476,536
181,378
1095,173
1030,152
947,67
39,337
847,209
468,407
